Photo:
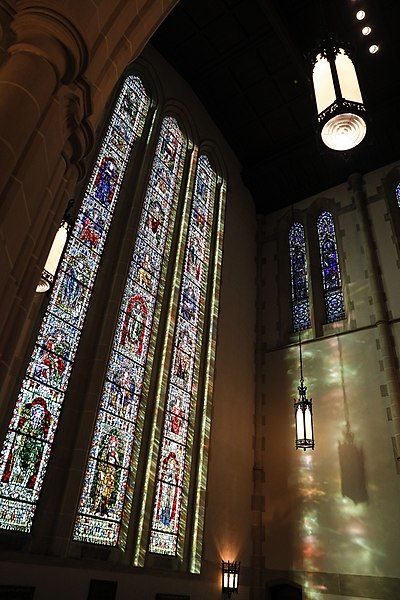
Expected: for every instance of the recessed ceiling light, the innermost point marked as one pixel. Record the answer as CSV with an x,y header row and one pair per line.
x,y
373,49
360,15
366,30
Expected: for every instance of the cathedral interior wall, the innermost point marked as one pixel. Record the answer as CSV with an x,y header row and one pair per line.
x,y
227,535
331,514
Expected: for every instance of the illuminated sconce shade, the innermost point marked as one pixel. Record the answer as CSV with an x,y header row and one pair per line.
x,y
303,414
341,111
230,577
374,48
360,15
366,30
53,258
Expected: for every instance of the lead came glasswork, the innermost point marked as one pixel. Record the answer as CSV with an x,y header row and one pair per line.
x,y
398,194
173,459
299,277
331,279
28,442
105,484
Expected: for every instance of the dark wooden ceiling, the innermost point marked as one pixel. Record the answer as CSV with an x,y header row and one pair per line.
x,y
245,61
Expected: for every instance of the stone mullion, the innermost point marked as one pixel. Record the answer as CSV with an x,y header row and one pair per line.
x,y
194,542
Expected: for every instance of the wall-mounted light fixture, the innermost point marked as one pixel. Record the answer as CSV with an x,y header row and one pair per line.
x,y
341,112
303,414
56,250
230,577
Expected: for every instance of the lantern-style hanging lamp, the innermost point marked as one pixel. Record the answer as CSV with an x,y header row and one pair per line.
x,y
56,250
303,414
341,112
230,577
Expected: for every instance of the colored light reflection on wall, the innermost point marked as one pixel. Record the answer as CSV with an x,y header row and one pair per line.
x,y
338,523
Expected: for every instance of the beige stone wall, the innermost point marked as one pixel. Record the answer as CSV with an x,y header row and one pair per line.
x,y
331,515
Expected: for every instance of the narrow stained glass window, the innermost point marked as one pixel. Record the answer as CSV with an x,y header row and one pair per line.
x,y
172,477
299,277
398,194
331,279
110,465
28,442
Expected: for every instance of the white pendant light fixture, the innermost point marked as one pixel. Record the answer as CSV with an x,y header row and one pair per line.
x,y
341,112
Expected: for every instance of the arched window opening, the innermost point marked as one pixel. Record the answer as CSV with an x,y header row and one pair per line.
x,y
331,278
27,447
174,460
299,278
110,469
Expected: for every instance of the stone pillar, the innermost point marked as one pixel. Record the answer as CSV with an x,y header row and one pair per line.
x,y
51,97
258,495
384,336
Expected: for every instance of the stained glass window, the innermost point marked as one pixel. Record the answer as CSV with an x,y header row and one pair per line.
x,y
27,447
398,194
299,277
331,279
175,447
108,470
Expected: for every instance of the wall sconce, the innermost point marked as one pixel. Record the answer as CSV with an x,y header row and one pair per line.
x,y
303,414
341,112
56,250
230,577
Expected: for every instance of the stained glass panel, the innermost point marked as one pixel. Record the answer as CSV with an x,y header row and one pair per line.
x,y
27,446
174,456
299,278
105,484
331,279
398,194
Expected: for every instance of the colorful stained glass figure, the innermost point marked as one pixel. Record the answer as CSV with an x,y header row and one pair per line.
x,y
28,442
331,279
110,466
174,457
398,194
299,277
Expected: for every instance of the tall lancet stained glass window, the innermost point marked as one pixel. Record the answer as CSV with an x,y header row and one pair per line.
x,y
27,447
299,278
331,279
172,476
398,194
110,464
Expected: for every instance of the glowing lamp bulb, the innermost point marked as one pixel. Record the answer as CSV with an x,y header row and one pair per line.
x,y
344,132
360,15
373,49
53,259
366,30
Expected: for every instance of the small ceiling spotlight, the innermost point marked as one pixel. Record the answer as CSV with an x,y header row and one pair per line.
x,y
366,30
360,15
373,49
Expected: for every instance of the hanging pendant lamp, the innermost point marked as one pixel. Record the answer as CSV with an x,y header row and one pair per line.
x,y
340,106
303,413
